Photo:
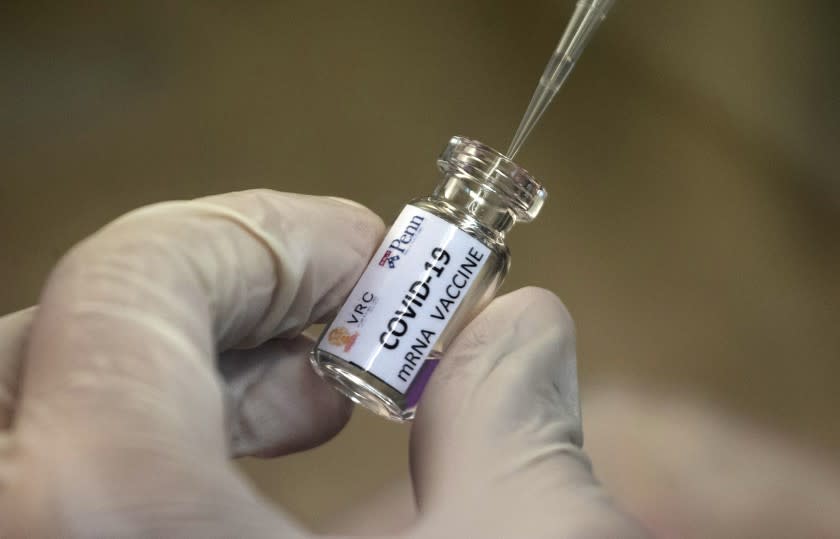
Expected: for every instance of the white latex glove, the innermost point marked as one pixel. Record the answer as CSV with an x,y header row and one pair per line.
x,y
118,414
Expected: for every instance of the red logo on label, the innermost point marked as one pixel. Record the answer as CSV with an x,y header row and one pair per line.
x,y
342,337
388,259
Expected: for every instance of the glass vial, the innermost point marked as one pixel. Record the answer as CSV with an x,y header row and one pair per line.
x,y
439,264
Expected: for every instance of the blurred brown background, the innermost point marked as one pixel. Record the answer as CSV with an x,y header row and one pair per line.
x,y
692,227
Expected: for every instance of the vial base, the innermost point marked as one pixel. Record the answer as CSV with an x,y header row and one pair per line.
x,y
362,387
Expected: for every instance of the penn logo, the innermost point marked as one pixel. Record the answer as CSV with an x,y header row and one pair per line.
x,y
400,244
389,258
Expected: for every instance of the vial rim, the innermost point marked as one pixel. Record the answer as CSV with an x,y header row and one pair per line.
x,y
494,170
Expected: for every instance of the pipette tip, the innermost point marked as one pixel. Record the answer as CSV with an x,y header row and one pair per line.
x,y
585,20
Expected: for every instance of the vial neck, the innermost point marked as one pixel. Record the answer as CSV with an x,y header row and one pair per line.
x,y
488,207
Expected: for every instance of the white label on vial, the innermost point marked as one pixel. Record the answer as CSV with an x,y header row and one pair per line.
x,y
405,298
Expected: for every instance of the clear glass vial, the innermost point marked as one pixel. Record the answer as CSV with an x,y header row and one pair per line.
x,y
440,263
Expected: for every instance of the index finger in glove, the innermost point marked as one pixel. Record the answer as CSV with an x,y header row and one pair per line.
x,y
132,319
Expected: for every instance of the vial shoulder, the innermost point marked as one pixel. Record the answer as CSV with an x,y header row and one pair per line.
x,y
466,223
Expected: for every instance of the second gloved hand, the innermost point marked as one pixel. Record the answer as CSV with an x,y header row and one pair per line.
x,y
497,443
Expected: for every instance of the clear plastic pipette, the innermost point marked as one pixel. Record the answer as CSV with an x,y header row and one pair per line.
x,y
585,20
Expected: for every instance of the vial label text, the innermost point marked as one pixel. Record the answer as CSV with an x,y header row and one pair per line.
x,y
404,300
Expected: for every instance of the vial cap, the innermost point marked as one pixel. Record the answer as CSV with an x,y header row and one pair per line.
x,y
494,171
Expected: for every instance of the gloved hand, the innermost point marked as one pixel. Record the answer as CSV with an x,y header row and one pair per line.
x,y
170,340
